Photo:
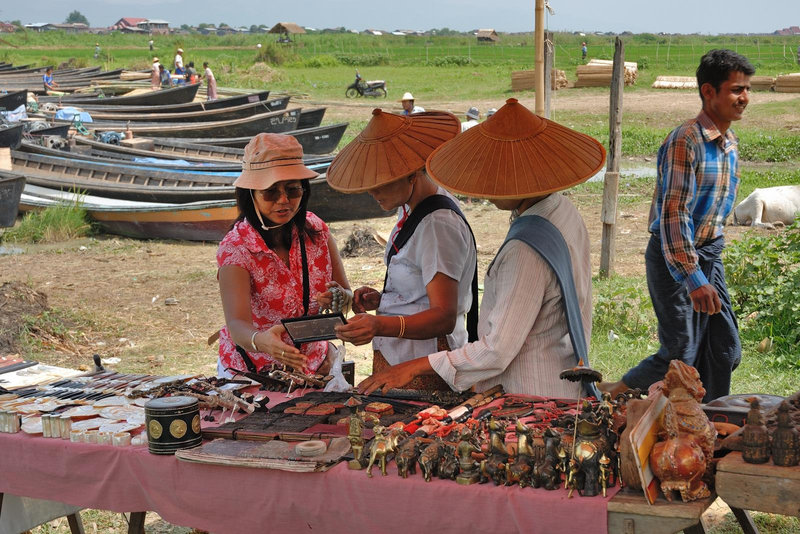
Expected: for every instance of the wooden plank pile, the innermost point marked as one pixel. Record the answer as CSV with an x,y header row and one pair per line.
x,y
788,83
523,80
675,82
762,83
597,73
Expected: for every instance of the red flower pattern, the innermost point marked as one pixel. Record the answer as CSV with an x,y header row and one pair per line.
x,y
276,292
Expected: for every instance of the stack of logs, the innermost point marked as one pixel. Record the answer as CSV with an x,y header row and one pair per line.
x,y
597,73
758,83
789,83
522,80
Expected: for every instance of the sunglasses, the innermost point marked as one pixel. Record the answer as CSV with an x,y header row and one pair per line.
x,y
274,194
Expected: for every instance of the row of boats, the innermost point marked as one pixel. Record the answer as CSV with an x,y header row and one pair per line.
x,y
156,164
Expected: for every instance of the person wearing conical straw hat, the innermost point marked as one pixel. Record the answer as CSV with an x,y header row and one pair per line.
x,y
431,275
536,314
278,261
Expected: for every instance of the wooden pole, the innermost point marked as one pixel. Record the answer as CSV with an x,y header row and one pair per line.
x,y
608,213
538,75
548,71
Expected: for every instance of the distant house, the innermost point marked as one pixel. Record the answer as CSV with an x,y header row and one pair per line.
x,y
128,23
40,27
208,30
373,32
75,27
286,29
487,36
154,26
791,30
224,29
5,27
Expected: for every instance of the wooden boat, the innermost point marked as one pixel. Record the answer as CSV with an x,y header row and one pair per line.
x,y
311,118
192,221
12,101
188,106
222,114
274,122
231,167
171,149
320,140
10,135
115,181
173,95
61,130
11,185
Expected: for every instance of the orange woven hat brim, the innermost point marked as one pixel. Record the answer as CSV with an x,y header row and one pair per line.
x,y
391,147
515,154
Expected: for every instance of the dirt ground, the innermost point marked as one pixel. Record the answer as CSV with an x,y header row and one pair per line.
x,y
153,304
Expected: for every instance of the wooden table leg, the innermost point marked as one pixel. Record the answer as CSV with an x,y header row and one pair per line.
x,y
136,523
695,529
75,523
745,521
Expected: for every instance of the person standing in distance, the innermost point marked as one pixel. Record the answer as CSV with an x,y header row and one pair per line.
x,y
698,177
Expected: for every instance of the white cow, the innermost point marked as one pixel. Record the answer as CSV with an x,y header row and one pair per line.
x,y
769,207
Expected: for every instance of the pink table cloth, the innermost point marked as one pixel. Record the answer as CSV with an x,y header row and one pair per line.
x,y
223,499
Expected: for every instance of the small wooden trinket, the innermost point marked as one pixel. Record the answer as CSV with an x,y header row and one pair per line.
x,y
785,439
755,438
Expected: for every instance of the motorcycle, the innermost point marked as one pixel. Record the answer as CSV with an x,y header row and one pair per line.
x,y
360,87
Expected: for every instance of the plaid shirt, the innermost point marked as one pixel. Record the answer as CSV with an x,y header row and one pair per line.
x,y
698,177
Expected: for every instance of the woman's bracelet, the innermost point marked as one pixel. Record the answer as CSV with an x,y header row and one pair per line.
x,y
253,341
402,326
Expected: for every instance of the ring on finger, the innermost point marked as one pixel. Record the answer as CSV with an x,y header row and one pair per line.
x,y
282,353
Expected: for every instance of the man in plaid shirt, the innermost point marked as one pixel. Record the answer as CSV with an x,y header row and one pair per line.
x,y
698,176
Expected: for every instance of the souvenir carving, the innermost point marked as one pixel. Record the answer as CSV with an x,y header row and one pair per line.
x,y
494,466
604,473
547,473
519,472
468,467
355,434
448,464
685,457
785,439
429,459
587,449
379,450
572,482
406,457
755,438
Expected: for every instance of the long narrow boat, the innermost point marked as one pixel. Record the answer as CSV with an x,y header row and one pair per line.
x,y
222,114
13,100
192,221
173,95
220,103
61,130
311,118
11,185
319,164
320,140
173,187
274,122
10,135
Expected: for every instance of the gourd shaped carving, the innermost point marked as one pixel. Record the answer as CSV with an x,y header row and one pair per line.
x,y
755,438
785,439
685,456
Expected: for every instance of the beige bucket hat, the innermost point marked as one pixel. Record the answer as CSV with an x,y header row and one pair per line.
x,y
391,147
270,158
406,96
515,154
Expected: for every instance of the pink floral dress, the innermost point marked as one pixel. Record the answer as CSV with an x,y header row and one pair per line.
x,y
276,292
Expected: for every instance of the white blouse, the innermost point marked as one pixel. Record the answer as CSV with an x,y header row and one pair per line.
x,y
441,243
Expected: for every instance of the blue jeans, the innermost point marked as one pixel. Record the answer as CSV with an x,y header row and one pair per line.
x,y
710,343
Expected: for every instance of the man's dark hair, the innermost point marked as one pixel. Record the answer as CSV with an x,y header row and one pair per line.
x,y
716,65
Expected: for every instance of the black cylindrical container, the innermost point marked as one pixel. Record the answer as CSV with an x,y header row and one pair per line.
x,y
172,423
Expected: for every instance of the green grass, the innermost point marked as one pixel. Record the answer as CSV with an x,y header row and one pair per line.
x,y
54,224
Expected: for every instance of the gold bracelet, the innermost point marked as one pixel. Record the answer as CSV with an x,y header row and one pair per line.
x,y
253,341
402,326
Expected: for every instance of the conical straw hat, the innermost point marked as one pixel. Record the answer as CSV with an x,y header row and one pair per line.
x,y
391,147
515,154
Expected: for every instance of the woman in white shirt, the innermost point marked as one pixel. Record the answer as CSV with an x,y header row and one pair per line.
x,y
430,254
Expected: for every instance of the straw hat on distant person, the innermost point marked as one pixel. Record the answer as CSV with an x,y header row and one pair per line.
x,y
406,96
473,113
514,155
180,50
391,147
270,158
155,59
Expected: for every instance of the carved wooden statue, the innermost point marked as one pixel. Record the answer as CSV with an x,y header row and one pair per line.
x,y
379,450
755,438
519,471
468,467
494,467
785,439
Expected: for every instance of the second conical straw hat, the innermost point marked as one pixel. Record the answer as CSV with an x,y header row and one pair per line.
x,y
391,147
515,154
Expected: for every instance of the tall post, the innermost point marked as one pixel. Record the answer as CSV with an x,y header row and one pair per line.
x,y
538,73
608,213
548,72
